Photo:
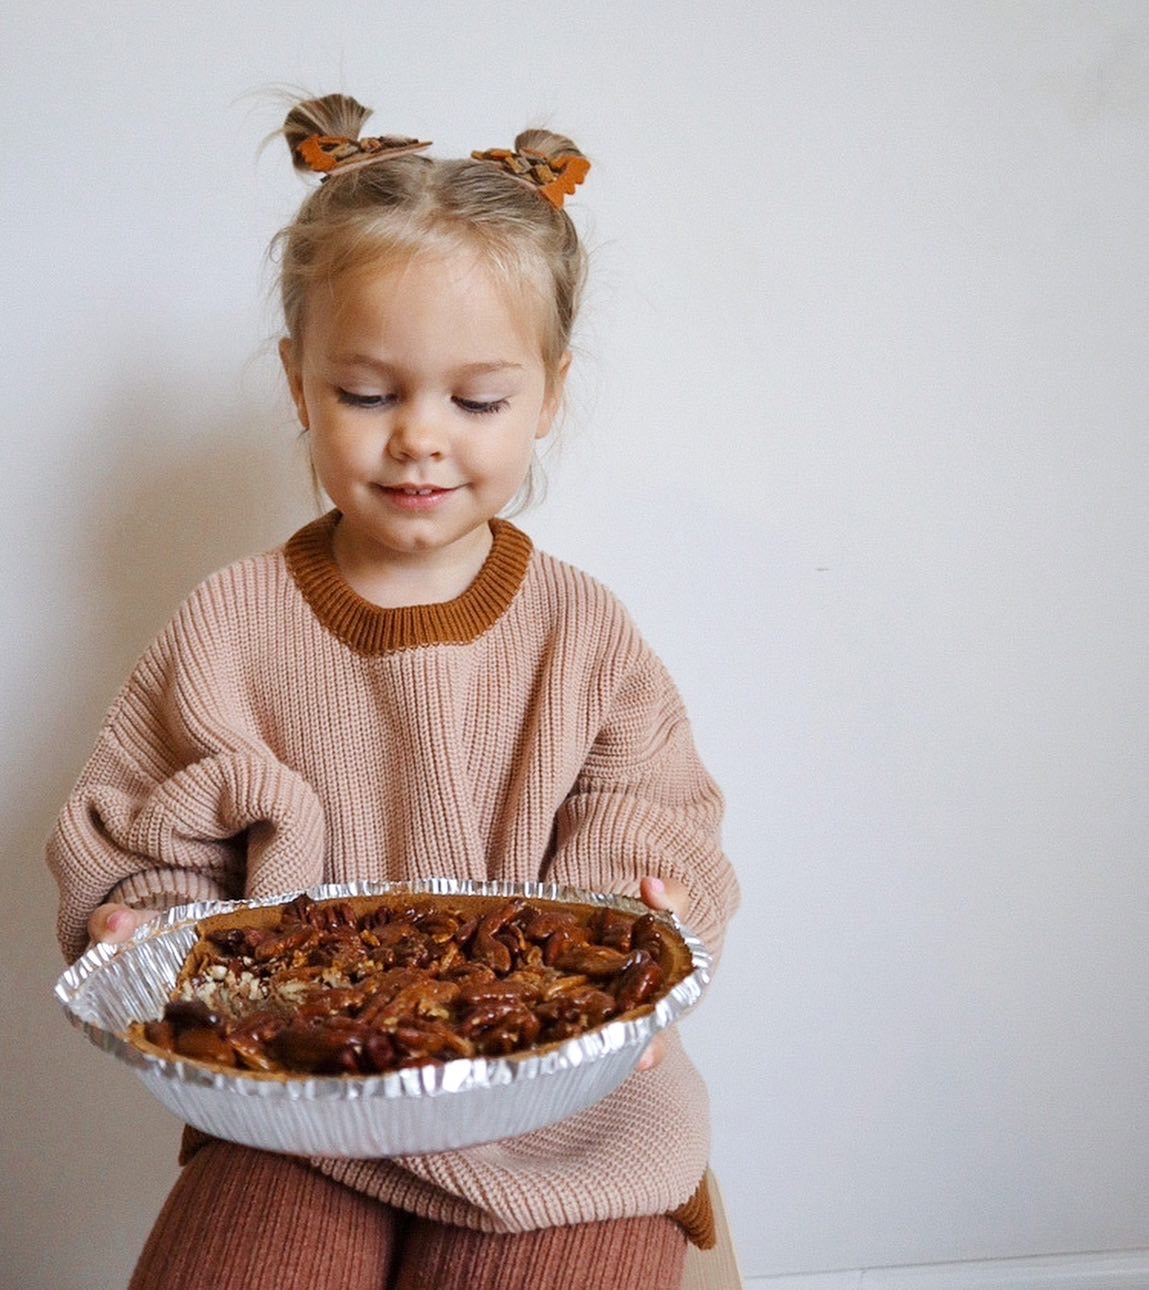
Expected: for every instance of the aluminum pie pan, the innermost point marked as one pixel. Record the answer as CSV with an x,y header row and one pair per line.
x,y
433,1107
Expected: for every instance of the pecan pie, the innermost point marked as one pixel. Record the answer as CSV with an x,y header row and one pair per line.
x,y
369,984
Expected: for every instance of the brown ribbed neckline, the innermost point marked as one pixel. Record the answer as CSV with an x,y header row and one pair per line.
x,y
370,629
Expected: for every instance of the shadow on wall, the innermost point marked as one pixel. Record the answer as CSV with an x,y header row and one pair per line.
x,y
164,496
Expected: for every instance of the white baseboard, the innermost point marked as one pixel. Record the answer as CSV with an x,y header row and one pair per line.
x,y
1116,1270
807,1281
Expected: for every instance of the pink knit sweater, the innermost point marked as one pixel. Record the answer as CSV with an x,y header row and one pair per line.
x,y
282,732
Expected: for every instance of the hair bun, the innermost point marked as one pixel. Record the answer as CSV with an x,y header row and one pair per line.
x,y
550,163
547,143
334,114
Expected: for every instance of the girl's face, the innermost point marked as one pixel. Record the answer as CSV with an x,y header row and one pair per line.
x,y
423,393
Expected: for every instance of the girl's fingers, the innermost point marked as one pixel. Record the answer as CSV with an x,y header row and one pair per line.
x,y
666,893
116,923
655,1052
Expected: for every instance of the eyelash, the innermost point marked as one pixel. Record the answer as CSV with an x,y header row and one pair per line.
x,y
368,401
477,409
375,402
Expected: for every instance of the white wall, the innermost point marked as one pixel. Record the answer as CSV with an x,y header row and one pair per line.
x,y
860,435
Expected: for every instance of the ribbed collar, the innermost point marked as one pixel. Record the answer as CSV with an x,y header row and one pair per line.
x,y
369,629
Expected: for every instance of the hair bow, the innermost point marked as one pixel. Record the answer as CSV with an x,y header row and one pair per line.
x,y
327,153
555,178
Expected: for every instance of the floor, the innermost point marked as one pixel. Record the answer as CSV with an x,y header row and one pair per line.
x,y
1113,1270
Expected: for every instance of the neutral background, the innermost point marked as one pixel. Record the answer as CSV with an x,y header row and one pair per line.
x,y
859,433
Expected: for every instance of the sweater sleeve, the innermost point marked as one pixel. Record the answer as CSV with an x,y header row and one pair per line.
x,y
643,803
179,802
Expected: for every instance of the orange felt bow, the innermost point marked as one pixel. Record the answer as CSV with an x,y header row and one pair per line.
x,y
555,178
326,153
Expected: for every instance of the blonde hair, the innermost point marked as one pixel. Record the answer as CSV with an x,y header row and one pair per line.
x,y
391,210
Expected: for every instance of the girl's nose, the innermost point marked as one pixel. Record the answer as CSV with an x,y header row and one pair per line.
x,y
416,435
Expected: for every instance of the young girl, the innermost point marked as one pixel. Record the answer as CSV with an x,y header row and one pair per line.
x,y
408,688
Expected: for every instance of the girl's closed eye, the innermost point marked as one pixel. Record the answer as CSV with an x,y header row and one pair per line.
x,y
480,407
353,400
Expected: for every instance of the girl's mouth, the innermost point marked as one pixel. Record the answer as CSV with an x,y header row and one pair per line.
x,y
416,497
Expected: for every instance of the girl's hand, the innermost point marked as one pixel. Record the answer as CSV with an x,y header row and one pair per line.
x,y
668,894
116,923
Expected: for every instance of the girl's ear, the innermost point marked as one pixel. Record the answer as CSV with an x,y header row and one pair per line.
x,y
554,398
291,368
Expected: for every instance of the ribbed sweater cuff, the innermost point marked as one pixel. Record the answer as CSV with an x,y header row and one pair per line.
x,y
164,889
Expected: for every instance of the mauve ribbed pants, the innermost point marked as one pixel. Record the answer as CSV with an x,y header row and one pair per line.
x,y
239,1219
